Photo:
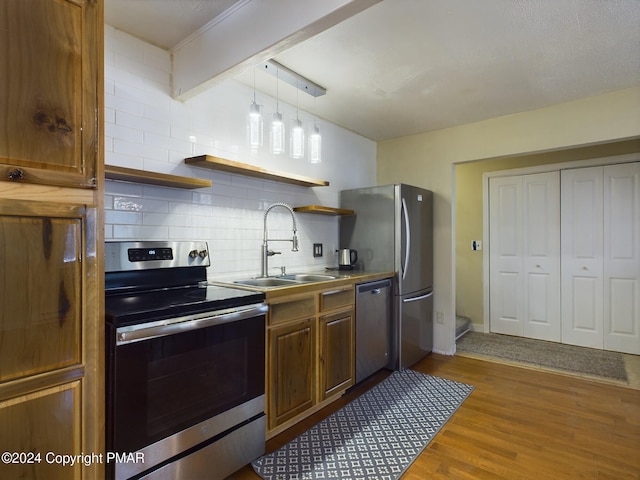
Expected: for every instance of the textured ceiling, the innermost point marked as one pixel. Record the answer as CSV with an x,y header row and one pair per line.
x,y
408,66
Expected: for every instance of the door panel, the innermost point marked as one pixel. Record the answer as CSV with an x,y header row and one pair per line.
x,y
292,359
582,262
337,358
622,257
40,306
505,253
48,125
38,423
541,252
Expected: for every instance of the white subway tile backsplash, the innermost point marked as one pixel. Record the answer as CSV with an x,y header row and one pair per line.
x,y
123,217
139,232
123,105
139,204
140,150
120,132
146,129
120,160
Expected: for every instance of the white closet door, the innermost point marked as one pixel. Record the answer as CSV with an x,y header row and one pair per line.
x,y
524,252
582,251
505,255
622,258
541,256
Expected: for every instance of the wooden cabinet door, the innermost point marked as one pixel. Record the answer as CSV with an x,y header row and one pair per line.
x,y
49,84
37,429
337,356
292,367
41,279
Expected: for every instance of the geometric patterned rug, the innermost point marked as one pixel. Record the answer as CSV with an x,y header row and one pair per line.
x,y
376,436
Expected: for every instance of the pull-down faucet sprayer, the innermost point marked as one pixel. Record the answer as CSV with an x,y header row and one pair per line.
x,y
266,253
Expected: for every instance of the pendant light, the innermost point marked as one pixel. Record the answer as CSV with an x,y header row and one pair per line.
x,y
297,139
315,140
276,136
297,135
254,121
315,145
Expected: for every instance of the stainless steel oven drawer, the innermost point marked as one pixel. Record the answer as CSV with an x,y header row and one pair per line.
x,y
219,459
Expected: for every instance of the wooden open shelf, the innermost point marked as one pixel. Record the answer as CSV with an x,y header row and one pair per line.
x,y
322,210
153,178
229,166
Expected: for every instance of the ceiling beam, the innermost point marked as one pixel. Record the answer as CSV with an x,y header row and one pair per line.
x,y
250,33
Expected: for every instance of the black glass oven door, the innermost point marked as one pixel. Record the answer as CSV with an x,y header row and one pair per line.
x,y
165,384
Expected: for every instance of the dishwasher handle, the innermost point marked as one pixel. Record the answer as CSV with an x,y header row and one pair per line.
x,y
373,287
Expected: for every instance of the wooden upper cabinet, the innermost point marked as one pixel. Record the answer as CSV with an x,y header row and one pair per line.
x,y
49,118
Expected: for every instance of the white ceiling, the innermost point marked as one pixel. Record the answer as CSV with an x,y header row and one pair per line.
x,y
408,66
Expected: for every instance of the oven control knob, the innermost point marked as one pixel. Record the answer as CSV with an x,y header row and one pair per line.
x,y
193,253
202,253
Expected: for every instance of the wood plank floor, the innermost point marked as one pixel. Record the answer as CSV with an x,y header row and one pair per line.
x,y
518,424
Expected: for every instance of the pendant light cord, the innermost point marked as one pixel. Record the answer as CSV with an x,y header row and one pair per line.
x,y
254,84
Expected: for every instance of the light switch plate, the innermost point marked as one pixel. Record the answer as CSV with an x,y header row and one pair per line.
x,y
317,249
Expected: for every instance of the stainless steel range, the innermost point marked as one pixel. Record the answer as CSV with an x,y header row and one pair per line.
x,y
185,365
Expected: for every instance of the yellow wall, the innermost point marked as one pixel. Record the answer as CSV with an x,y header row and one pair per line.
x,y
469,213
428,160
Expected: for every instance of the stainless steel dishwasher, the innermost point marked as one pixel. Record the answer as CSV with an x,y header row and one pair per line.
x,y
373,327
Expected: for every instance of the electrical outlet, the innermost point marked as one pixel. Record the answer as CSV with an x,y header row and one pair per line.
x,y
476,245
317,249
439,317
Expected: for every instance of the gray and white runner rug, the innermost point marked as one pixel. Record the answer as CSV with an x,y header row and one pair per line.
x,y
376,436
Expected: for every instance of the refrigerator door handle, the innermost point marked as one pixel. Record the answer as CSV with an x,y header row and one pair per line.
x,y
407,233
415,299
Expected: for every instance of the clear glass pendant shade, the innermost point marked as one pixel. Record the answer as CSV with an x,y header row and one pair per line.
x,y
297,139
315,145
254,126
277,134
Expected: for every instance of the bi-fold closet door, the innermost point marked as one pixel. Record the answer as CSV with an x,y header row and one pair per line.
x,y
564,256
601,257
524,252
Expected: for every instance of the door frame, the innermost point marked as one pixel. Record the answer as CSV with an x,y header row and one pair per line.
x,y
550,167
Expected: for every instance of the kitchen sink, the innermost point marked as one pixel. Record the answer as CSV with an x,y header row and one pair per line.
x,y
266,282
284,281
309,277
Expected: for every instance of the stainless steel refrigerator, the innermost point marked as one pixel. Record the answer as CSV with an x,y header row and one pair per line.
x,y
392,230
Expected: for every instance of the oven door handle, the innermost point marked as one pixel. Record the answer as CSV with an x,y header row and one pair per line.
x,y
146,331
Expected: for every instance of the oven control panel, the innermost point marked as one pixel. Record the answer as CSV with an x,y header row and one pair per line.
x,y
146,254
127,256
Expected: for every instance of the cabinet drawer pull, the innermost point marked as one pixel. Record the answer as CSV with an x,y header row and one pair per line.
x,y
16,174
332,292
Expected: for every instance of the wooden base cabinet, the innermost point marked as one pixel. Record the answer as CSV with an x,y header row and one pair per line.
x,y
337,352
310,353
292,362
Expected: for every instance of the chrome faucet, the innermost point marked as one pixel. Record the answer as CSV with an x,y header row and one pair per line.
x,y
266,253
